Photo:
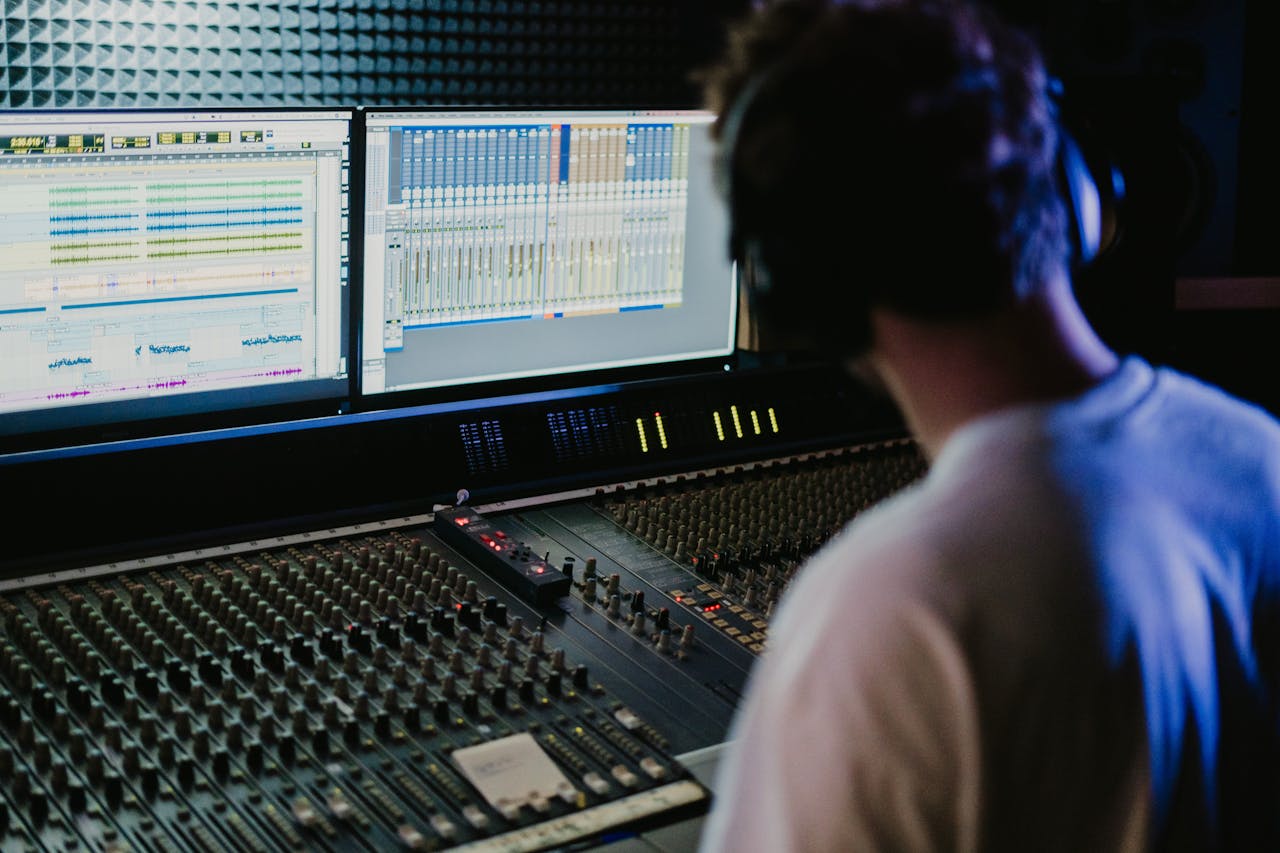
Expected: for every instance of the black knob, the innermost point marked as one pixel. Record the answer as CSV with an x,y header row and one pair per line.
x,y
11,712
210,671
351,733
77,801
286,748
553,683
413,718
491,608
43,703
637,601
242,663
382,725
416,627
221,763
186,772
179,677
387,634
272,656
253,756
664,619
146,683
301,651
580,676
440,710
113,789
442,621
150,780
330,644
320,741
113,691
39,806
359,639
499,697
470,617
526,690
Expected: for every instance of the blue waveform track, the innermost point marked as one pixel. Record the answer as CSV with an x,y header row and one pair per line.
x,y
62,232
167,349
229,224
85,217
271,339
225,211
70,362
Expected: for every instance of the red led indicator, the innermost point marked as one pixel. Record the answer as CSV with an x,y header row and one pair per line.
x,y
462,522
538,569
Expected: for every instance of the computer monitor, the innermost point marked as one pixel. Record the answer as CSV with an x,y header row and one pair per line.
x,y
171,270
510,244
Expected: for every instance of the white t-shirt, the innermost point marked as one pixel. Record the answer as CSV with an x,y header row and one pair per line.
x,y
1065,637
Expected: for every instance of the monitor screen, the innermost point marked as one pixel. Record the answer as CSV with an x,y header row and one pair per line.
x,y
504,244
166,268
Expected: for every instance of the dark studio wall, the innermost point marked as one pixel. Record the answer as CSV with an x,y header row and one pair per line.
x,y
116,53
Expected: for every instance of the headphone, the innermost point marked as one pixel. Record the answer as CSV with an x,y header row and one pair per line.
x,y
1079,189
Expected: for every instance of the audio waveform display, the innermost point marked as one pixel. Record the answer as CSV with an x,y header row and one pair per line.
x,y
118,258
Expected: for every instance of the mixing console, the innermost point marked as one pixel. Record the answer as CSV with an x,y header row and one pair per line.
x,y
409,683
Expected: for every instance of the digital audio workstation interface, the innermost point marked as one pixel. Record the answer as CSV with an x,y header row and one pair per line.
x,y
159,263
507,244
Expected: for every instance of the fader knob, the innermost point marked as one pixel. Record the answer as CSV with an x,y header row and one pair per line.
x,y
38,805
186,772
300,650
320,737
77,801
150,780
113,789
221,763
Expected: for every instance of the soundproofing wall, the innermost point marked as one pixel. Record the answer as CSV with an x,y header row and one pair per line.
x,y
165,53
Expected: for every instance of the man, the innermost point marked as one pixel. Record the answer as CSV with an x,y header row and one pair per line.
x,y
1065,637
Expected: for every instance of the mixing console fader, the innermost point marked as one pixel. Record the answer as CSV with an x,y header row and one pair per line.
x,y
488,678
364,693
717,549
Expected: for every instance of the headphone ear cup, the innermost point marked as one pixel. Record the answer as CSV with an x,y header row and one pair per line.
x,y
1082,199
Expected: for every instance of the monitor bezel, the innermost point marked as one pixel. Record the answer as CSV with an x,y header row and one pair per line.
x,y
365,401
219,410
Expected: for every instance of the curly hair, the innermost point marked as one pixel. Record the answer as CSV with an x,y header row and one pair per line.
x,y
925,125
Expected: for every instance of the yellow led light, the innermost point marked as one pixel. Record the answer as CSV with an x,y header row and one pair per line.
x,y
773,419
737,422
719,426
662,433
644,441
755,422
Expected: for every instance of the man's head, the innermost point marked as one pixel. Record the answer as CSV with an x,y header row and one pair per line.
x,y
885,153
